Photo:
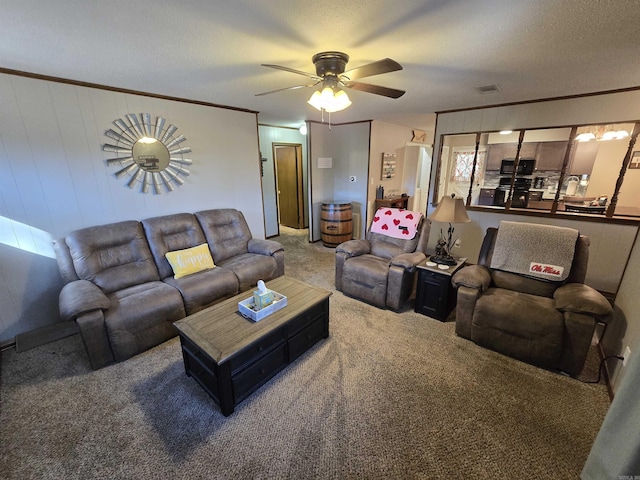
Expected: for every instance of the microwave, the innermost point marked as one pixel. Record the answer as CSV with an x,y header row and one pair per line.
x,y
526,166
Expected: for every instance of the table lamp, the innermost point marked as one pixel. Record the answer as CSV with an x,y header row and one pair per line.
x,y
450,210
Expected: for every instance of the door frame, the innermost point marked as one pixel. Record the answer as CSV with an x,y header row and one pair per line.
x,y
299,180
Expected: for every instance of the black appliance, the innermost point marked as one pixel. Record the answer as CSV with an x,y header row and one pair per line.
x,y
538,182
520,198
526,166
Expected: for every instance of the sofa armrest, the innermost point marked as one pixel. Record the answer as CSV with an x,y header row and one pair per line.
x,y
79,297
580,298
466,298
354,248
264,247
472,276
408,261
95,338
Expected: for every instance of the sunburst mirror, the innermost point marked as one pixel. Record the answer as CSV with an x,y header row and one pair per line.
x,y
150,155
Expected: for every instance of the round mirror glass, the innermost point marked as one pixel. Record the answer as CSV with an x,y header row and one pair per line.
x,y
150,154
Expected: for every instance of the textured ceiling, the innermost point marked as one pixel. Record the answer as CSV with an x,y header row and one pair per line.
x,y
211,50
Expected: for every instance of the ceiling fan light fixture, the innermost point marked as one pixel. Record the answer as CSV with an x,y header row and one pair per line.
x,y
329,101
339,102
620,134
316,100
601,133
585,137
326,97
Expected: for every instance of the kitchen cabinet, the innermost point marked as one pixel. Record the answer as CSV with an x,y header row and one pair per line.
x,y
535,196
486,196
583,158
499,151
550,156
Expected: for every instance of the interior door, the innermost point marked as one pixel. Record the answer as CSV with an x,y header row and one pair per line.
x,y
288,160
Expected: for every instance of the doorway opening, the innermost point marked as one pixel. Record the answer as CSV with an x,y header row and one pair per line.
x,y
289,184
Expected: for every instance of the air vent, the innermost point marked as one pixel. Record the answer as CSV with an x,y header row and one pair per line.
x,y
488,89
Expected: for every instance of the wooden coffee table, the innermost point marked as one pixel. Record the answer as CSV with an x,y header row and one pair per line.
x,y
231,356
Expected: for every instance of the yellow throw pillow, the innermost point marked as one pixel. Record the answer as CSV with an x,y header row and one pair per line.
x,y
191,260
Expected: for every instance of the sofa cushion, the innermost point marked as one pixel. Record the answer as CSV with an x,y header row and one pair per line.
x,y
384,249
141,317
527,327
520,283
113,256
170,233
226,231
205,288
190,260
249,268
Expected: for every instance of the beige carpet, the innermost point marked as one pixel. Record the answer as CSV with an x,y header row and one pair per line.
x,y
385,396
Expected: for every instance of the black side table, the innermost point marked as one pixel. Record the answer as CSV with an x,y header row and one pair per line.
x,y
435,296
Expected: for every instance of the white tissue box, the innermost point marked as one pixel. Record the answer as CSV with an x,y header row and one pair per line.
x,y
247,307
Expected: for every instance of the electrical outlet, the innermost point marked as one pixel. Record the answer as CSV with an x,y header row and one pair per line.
x,y
352,178
457,243
626,355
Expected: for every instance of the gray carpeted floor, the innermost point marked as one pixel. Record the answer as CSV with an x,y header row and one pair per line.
x,y
387,395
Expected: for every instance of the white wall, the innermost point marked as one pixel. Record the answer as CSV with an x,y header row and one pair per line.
x,y
348,147
269,135
53,179
624,329
606,169
611,243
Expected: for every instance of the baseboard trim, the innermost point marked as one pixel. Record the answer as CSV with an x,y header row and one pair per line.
x,y
41,336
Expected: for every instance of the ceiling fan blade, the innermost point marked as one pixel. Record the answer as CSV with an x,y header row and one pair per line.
x,y
295,87
377,89
291,70
376,68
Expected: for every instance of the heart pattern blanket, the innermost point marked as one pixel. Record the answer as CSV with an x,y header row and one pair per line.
x,y
396,223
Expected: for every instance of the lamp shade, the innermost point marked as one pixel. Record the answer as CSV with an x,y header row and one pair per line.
x,y
450,210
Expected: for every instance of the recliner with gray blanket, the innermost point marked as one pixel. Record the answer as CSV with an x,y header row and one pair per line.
x,y
121,291
530,306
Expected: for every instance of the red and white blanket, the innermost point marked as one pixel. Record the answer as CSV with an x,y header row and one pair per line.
x,y
396,222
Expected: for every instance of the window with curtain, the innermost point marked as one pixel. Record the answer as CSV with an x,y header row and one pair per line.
x,y
463,166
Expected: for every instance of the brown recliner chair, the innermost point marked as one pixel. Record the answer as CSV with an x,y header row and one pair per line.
x,y
381,270
543,322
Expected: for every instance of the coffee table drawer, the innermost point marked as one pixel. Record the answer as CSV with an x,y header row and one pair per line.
x,y
313,314
245,382
300,343
256,350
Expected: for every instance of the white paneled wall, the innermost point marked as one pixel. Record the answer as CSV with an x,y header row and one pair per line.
x,y
53,179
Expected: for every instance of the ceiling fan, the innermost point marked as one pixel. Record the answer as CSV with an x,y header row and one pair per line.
x,y
330,72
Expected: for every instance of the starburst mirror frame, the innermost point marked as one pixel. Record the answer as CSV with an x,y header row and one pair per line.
x,y
149,154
